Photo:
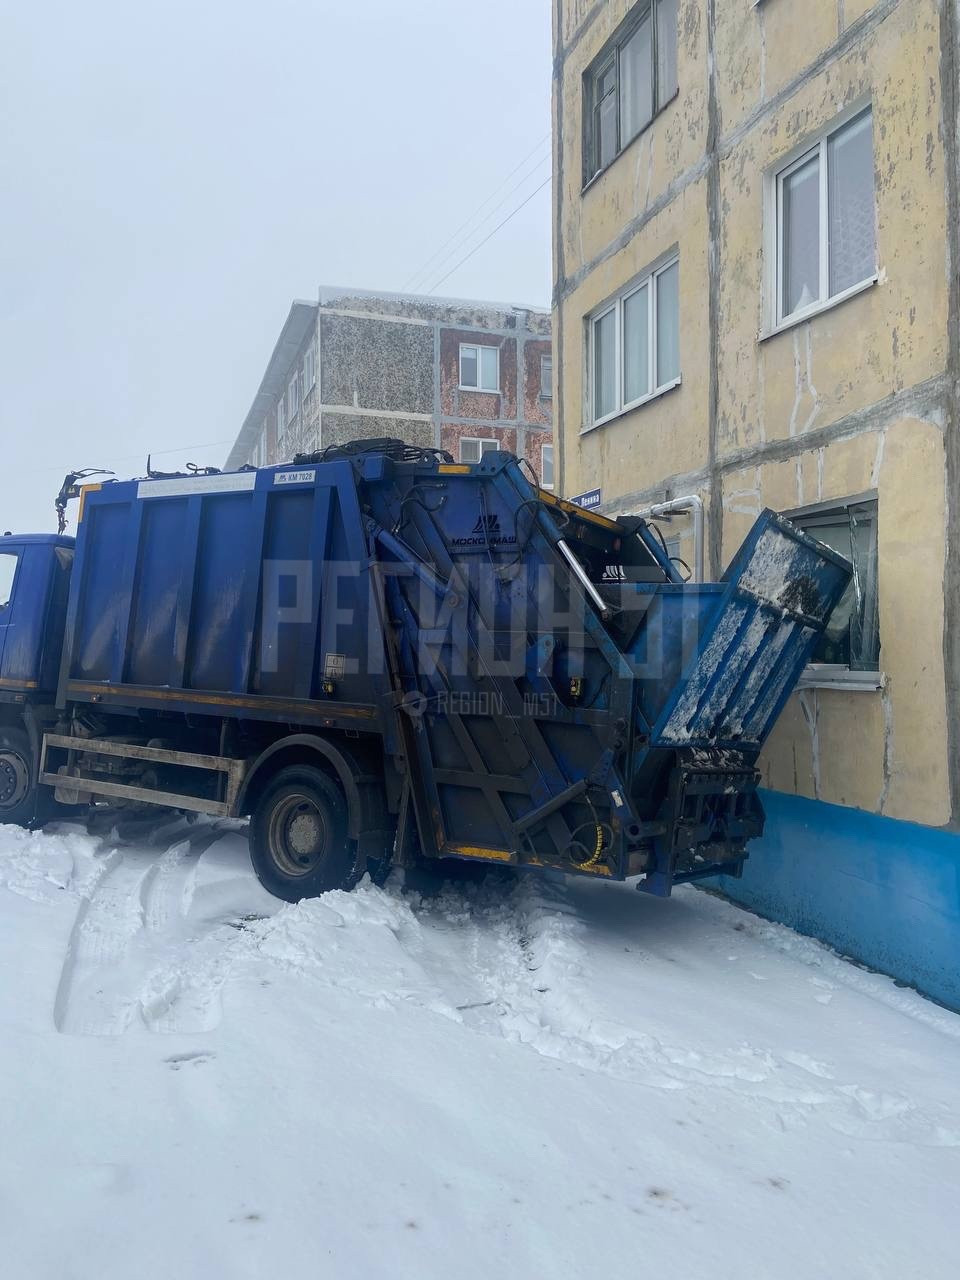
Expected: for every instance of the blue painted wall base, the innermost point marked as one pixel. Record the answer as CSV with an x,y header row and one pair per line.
x,y
885,892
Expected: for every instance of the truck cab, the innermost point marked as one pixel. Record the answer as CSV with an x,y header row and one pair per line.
x,y
34,582
34,576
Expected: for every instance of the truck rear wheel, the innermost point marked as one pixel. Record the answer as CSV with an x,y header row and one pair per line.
x,y
299,841
18,788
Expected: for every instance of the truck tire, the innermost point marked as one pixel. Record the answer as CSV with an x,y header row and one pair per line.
x,y
299,842
18,783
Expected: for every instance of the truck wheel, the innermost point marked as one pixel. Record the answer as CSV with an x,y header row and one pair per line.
x,y
18,789
298,836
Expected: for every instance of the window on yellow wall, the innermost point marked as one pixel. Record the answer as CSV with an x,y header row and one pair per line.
x,y
634,344
851,642
633,78
825,220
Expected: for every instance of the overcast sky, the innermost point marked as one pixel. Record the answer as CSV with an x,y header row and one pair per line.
x,y
173,175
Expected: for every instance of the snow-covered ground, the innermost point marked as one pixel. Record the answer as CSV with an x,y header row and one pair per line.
x,y
531,1078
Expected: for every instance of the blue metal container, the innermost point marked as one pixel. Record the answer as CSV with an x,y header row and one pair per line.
x,y
227,594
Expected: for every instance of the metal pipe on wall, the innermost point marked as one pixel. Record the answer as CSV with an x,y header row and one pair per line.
x,y
680,506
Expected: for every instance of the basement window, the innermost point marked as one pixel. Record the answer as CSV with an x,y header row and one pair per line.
x,y
634,344
629,83
472,450
479,367
849,649
825,221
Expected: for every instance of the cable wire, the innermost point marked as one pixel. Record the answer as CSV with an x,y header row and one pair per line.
x,y
462,241
134,457
423,270
466,258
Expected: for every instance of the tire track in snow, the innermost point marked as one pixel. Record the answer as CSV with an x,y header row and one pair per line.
x,y
109,918
156,941
121,959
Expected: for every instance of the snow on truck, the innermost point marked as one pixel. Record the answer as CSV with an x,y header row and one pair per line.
x,y
376,653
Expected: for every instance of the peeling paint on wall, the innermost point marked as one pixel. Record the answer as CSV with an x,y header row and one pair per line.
x,y
863,397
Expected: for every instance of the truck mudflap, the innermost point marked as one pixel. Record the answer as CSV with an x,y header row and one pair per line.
x,y
779,593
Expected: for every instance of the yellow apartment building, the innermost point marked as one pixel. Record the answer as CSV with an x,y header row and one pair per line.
x,y
757,304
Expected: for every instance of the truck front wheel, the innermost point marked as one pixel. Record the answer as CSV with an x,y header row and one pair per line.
x,y
299,842
17,782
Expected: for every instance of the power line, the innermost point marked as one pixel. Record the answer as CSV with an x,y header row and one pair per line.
x,y
510,215
154,453
423,269
464,240
493,194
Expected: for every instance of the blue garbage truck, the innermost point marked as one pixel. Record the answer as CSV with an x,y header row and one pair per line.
x,y
376,653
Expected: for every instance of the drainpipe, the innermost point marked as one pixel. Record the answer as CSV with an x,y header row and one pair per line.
x,y
678,506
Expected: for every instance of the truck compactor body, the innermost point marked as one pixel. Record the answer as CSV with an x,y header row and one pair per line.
x,y
377,653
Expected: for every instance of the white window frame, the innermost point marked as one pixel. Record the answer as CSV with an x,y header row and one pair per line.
x,y
548,444
478,347
281,417
616,305
484,443
309,369
777,321
546,395
293,397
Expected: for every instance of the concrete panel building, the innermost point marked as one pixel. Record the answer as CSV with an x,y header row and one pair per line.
x,y
757,304
463,376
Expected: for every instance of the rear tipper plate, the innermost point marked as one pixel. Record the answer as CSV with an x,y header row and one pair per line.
x,y
780,591
778,595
